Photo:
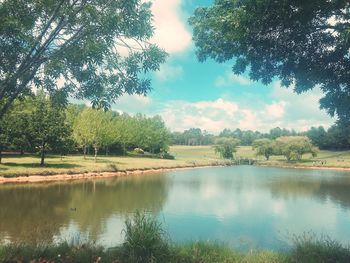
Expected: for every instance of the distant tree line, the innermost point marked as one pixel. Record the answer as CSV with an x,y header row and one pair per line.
x,y
39,124
337,137
196,136
193,136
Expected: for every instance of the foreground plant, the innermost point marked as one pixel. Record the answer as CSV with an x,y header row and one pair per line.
x,y
145,240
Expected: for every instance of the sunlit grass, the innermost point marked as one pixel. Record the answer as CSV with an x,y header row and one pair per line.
x,y
185,156
13,165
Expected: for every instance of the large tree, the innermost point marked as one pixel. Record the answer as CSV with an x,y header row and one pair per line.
x,y
294,147
226,147
48,126
303,43
92,49
265,147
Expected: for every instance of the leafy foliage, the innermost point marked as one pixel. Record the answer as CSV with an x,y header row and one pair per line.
x,y
99,49
303,43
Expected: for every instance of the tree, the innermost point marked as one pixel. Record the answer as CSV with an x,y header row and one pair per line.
x,y
303,43
318,136
338,137
293,148
226,147
265,147
93,127
4,136
158,136
97,49
47,125
275,133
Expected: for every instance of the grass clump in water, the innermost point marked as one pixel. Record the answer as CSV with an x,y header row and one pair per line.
x,y
145,240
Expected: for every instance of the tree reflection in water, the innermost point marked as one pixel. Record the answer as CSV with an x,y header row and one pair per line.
x,y
37,213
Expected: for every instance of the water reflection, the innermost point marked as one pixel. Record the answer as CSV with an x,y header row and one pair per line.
x,y
257,206
244,206
35,213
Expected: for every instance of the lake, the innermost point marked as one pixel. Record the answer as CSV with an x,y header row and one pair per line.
x,y
243,206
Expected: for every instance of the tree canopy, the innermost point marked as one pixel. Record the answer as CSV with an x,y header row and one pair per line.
x,y
303,43
265,147
91,49
294,147
226,147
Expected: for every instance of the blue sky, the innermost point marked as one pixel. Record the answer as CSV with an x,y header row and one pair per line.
x,y
208,95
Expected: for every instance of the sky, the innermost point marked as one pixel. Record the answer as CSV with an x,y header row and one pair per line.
x,y
189,94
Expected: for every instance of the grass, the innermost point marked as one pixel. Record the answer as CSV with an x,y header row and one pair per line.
x,y
14,165
185,156
146,242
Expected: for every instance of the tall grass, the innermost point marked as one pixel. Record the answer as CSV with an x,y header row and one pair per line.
x,y
310,248
145,240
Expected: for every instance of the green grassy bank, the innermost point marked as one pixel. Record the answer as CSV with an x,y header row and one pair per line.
x,y
185,156
146,241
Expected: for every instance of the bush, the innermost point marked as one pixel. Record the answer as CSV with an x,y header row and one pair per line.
x,y
145,240
166,155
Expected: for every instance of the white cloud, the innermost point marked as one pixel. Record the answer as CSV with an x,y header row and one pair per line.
x,y
170,28
249,121
229,79
276,109
132,104
300,110
168,71
287,110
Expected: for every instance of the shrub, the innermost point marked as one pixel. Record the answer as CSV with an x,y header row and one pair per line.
x,y
166,155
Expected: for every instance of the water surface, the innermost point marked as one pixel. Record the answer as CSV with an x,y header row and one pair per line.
x,y
244,206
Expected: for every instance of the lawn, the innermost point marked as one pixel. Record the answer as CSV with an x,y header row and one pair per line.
x,y
185,156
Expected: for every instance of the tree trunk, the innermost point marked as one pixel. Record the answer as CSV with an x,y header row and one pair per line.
x,y
96,149
106,151
22,152
42,162
84,150
0,154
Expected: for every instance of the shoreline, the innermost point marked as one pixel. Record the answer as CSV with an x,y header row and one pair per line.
x,y
306,167
93,175
40,178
